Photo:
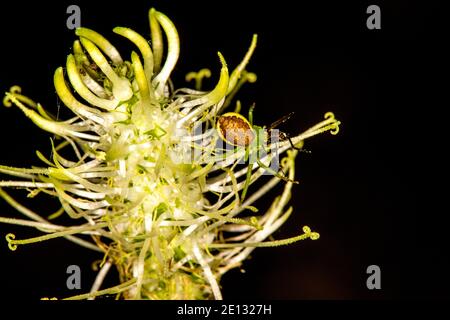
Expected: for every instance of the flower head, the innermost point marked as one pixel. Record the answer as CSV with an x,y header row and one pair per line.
x,y
152,178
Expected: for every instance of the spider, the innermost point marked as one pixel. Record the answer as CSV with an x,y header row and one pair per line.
x,y
236,130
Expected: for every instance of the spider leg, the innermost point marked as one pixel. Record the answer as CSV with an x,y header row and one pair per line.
x,y
248,178
280,121
276,174
250,114
247,155
292,144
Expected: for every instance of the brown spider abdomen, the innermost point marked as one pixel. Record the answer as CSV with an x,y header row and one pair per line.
x,y
235,130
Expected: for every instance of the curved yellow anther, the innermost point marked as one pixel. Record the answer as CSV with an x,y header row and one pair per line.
x,y
314,236
236,74
101,42
140,79
213,97
173,51
7,99
59,128
198,77
141,115
202,73
143,47
245,77
311,235
255,223
10,238
250,76
82,90
334,127
121,86
157,40
69,100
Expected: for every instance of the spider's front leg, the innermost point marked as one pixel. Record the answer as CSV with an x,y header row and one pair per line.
x,y
265,138
285,136
247,154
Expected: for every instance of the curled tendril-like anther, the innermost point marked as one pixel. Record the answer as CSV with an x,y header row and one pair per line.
x,y
250,77
334,123
15,89
12,91
309,234
96,265
335,129
329,115
203,73
252,209
314,236
198,77
10,238
33,193
255,223
285,160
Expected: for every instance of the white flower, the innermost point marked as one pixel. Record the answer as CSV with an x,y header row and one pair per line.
x,y
149,178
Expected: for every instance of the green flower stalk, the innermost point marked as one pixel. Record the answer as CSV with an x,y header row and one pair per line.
x,y
150,183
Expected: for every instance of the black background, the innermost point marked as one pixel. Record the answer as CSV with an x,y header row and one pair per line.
x,y
372,191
